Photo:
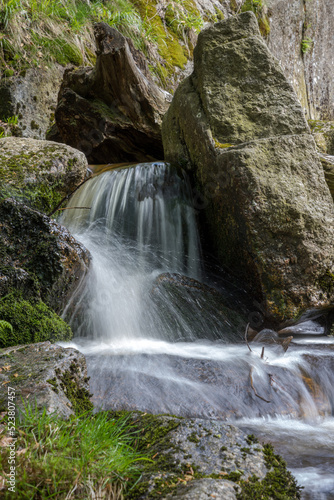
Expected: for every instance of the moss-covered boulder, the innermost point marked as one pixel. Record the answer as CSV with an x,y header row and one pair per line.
x,y
237,125
114,112
27,321
38,257
46,376
195,459
39,173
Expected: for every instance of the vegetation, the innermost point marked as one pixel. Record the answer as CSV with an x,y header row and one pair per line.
x,y
29,321
260,10
306,45
92,456
41,32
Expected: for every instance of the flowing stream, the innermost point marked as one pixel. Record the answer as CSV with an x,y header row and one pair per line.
x,y
156,340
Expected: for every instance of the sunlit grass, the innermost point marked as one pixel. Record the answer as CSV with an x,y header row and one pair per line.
x,y
78,458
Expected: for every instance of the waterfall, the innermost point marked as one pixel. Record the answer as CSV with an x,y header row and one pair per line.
x,y
140,227
137,222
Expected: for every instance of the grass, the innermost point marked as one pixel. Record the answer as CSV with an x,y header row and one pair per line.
x,y
39,33
87,457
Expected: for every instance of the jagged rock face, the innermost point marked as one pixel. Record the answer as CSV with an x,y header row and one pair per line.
x,y
38,256
112,113
32,98
39,173
301,37
45,375
238,126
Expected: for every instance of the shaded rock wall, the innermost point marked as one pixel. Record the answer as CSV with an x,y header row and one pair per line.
x,y
301,37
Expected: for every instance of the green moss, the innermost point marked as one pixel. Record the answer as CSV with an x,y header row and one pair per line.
x,y
31,322
220,145
278,484
193,438
251,439
258,7
78,396
326,282
6,331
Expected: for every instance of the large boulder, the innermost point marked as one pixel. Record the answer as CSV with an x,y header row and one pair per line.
x,y
237,125
38,257
46,376
113,112
39,173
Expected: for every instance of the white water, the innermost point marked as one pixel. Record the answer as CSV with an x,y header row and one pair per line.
x,y
141,224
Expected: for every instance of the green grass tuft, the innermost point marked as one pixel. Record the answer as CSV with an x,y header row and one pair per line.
x,y
92,455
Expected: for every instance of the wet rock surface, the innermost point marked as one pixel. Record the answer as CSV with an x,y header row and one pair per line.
x,y
236,384
192,309
46,376
113,112
39,258
39,173
242,133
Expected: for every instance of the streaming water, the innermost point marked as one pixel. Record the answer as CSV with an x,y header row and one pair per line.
x,y
148,354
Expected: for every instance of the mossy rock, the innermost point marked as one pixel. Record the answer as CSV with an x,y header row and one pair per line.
x,y
25,322
38,257
39,173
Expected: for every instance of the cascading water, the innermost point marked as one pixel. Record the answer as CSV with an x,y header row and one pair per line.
x,y
138,224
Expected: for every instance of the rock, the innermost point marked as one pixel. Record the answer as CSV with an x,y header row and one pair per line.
x,y
32,98
45,375
327,162
39,173
197,459
301,37
113,112
237,125
323,133
191,310
206,489
39,258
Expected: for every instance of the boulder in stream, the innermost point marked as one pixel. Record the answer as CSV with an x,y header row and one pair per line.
x,y
237,126
113,112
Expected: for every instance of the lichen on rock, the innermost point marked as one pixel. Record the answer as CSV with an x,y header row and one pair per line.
x,y
39,173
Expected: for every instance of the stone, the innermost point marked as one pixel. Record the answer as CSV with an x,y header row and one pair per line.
x,y
301,37
32,98
39,173
191,310
199,459
206,489
46,376
238,127
113,112
39,258
327,162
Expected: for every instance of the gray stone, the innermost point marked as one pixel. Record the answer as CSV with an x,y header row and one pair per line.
x,y
40,374
206,489
237,124
39,173
310,72
32,98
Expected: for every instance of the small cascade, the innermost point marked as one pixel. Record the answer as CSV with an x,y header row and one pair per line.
x,y
137,222
158,340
